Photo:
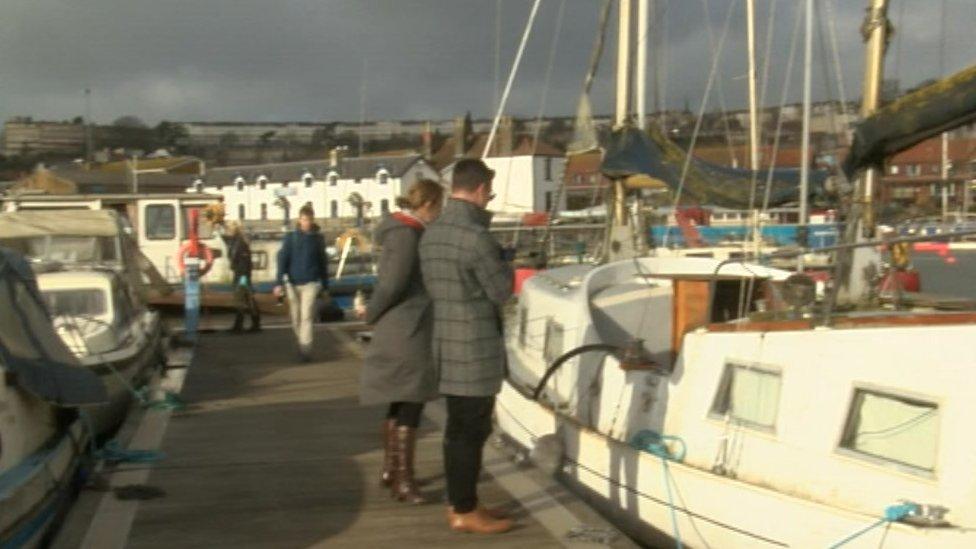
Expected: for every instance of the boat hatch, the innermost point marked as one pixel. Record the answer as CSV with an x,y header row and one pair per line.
x,y
699,301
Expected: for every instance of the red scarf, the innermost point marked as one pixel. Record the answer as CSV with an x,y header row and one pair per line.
x,y
408,220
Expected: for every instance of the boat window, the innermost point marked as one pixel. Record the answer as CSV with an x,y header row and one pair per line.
x,y
894,428
160,222
76,302
749,395
554,341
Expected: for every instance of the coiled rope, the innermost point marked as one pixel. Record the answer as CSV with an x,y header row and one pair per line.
x,y
657,444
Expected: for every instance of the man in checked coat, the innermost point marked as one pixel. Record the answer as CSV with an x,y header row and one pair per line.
x,y
468,281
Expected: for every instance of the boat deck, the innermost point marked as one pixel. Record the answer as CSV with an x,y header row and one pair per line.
x,y
271,452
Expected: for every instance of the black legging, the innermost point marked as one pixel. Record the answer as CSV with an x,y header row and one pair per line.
x,y
407,414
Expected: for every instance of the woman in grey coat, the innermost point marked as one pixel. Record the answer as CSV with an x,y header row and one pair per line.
x,y
399,369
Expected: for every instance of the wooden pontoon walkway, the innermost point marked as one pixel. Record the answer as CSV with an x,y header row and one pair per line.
x,y
271,452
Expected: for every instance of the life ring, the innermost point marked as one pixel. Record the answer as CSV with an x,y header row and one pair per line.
x,y
186,249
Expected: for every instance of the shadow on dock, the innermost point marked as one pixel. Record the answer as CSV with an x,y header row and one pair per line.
x,y
272,452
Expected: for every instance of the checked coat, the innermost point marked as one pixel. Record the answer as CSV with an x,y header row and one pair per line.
x,y
468,283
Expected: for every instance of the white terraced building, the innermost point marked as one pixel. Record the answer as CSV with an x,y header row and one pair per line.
x,y
333,187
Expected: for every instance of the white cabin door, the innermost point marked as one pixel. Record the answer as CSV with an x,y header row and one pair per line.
x,y
160,234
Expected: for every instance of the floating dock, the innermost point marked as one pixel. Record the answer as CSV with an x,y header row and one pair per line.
x,y
272,452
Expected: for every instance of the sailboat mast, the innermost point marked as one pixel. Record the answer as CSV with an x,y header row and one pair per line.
x,y
623,64
753,124
641,76
805,141
623,101
877,26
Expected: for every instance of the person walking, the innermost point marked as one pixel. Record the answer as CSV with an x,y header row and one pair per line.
x,y
399,368
468,282
239,255
302,275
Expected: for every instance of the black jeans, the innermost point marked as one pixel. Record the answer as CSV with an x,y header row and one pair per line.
x,y
468,427
407,414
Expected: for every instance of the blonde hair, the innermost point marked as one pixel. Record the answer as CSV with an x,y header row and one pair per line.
x,y
424,191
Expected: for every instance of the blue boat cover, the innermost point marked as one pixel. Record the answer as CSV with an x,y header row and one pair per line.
x,y
30,348
632,151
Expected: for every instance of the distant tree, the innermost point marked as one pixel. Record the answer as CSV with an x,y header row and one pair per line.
x,y
77,121
170,134
129,121
321,137
228,139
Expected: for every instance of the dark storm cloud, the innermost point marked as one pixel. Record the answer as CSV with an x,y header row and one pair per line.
x,y
304,59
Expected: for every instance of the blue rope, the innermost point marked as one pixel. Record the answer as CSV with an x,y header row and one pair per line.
x,y
170,400
655,444
892,513
113,452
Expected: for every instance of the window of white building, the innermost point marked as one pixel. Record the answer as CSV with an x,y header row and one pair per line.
x,y
240,212
334,208
307,178
239,183
262,182
384,206
333,179
548,168
382,177
264,211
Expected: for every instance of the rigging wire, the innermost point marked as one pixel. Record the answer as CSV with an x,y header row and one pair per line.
x,y
828,92
701,114
899,30
511,77
839,74
782,103
554,206
706,7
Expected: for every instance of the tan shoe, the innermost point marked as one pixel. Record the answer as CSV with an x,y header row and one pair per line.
x,y
493,512
477,522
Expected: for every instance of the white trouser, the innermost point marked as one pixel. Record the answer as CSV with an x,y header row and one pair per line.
x,y
301,305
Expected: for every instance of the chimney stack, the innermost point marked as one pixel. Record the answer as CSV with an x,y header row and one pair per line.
x,y
505,138
426,137
460,136
336,155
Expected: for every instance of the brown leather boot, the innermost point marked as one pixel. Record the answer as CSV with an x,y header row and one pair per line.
x,y
404,485
478,521
389,452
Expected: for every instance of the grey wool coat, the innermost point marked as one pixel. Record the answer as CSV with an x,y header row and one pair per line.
x,y
398,365
468,282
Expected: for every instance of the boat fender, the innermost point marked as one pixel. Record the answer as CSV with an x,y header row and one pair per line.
x,y
186,250
547,453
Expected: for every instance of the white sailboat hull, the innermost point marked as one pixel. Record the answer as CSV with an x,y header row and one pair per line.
x,y
711,510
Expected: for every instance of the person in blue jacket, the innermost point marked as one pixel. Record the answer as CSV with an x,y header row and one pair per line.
x,y
302,275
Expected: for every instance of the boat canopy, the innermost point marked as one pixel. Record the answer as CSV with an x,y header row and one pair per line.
x,y
913,118
29,346
632,152
31,223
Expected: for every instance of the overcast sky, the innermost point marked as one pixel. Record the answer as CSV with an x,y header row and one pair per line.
x,y
288,60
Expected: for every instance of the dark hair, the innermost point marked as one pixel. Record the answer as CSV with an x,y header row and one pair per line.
x,y
307,210
422,192
469,173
